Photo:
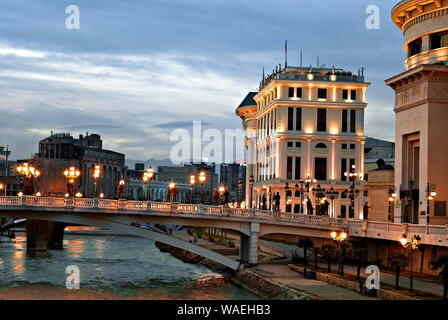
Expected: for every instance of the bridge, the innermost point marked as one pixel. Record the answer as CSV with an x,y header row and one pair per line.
x,y
125,216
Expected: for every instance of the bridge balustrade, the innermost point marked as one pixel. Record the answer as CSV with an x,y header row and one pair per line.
x,y
431,234
44,202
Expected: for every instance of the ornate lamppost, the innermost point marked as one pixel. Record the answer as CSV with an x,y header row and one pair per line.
x,y
339,238
332,195
147,178
392,197
352,193
192,183
251,185
413,244
430,195
71,174
202,178
96,177
318,194
30,175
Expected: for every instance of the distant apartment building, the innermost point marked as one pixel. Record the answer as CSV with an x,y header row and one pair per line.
x,y
229,175
61,150
181,176
306,123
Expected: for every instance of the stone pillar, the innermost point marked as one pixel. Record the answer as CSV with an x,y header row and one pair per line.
x,y
244,246
43,235
253,243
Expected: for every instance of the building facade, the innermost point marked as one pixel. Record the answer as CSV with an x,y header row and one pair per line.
x,y
305,123
229,175
60,151
421,109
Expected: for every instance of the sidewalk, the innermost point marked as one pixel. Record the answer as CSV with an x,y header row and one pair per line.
x,y
321,290
385,277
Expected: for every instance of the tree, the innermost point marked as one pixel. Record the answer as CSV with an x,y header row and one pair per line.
x,y
305,243
344,249
399,261
442,262
328,250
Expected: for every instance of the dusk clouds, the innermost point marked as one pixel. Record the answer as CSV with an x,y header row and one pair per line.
x,y
138,69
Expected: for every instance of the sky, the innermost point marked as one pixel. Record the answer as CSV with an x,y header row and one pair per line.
x,y
136,70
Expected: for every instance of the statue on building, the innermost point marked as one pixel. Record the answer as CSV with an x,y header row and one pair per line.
x,y
382,165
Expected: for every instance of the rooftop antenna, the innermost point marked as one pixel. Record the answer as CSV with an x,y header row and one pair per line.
x,y
262,80
318,61
286,54
301,58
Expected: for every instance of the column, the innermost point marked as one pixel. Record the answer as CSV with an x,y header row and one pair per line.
x,y
333,159
361,159
308,157
253,243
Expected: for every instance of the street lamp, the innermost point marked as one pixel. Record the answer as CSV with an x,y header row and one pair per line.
x,y
192,183
251,185
202,178
222,190
30,175
430,196
71,174
392,197
96,177
332,195
121,188
147,178
340,238
172,191
287,191
318,194
1,188
413,244
352,193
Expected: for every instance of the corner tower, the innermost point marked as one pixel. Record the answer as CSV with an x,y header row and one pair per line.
x,y
421,108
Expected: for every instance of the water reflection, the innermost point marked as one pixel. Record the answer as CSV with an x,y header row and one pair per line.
x,y
76,247
112,267
99,245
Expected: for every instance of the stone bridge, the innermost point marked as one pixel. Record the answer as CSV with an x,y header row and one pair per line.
x,y
125,216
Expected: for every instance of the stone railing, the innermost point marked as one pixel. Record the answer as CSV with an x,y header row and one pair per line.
x,y
431,234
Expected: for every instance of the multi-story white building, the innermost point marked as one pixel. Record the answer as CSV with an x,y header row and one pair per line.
x,y
306,124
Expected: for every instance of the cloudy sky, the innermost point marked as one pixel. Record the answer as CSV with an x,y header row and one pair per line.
x,y
136,70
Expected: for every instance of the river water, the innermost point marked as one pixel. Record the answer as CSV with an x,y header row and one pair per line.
x,y
111,267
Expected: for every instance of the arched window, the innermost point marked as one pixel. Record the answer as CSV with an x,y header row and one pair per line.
x,y
321,146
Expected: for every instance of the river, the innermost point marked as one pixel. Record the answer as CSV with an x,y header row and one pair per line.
x,y
111,267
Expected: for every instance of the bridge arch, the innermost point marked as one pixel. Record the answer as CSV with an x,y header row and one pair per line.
x,y
124,224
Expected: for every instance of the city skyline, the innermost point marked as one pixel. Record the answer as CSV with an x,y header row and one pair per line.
x,y
129,90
